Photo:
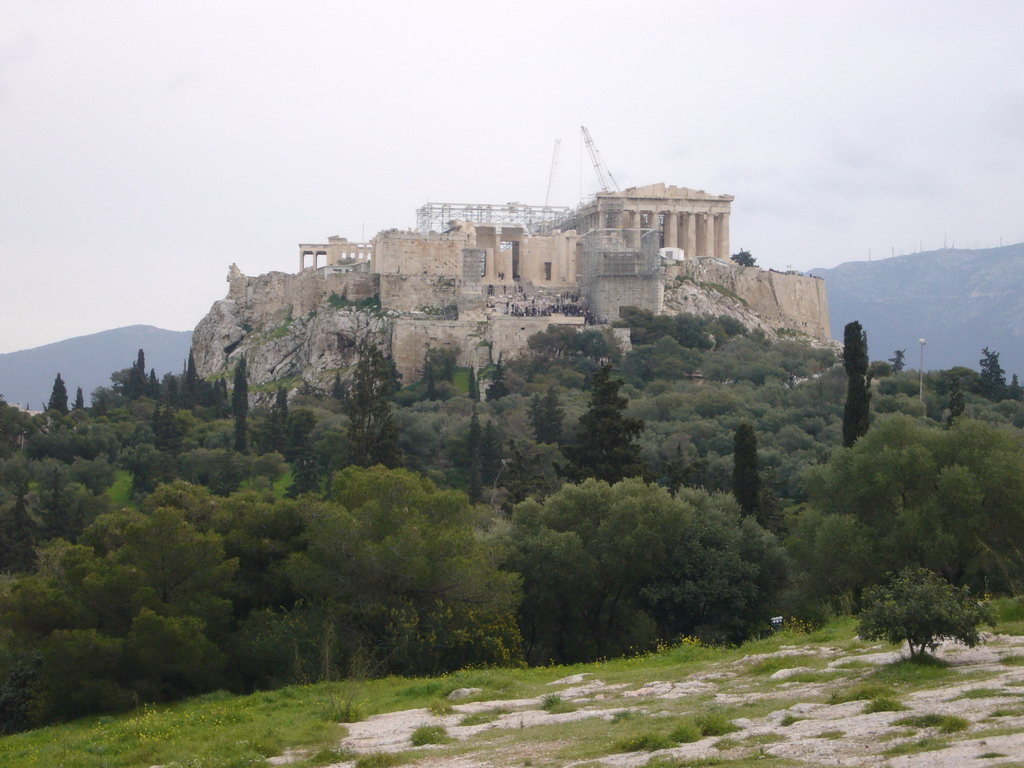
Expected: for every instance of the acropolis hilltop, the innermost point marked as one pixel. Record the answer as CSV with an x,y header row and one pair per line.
x,y
481,279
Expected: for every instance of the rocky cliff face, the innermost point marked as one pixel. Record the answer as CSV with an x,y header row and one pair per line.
x,y
291,329
304,328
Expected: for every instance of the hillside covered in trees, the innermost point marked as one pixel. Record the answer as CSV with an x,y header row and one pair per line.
x,y
575,505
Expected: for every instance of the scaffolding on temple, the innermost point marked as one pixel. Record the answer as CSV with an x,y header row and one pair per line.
x,y
535,219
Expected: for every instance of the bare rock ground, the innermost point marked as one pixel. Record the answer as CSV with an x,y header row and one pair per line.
x,y
805,728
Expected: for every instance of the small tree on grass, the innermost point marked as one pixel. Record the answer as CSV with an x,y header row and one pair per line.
x,y
921,607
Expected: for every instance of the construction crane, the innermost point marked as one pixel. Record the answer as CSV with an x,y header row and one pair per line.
x,y
551,176
599,167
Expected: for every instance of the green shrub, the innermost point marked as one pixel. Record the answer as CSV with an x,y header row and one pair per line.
x,y
644,742
685,732
945,723
714,723
884,704
429,734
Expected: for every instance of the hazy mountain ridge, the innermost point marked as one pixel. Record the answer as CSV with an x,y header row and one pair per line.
x,y
26,376
958,300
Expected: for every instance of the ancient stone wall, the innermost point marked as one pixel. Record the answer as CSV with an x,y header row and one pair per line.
x,y
412,338
781,300
275,294
411,253
418,293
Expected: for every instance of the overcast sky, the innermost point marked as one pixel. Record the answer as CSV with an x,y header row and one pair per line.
x,y
145,146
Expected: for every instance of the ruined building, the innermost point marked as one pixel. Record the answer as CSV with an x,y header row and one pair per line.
x,y
482,279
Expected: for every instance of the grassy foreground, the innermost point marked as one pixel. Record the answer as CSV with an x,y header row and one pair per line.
x,y
220,730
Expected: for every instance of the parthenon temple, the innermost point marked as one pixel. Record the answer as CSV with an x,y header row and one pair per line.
x,y
692,220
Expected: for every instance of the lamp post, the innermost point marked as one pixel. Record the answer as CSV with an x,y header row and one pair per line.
x,y
920,373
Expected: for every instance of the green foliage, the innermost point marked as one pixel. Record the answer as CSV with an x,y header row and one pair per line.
x,y
922,608
746,480
856,414
58,397
372,435
605,447
429,734
944,723
608,568
396,563
744,259
907,494
240,406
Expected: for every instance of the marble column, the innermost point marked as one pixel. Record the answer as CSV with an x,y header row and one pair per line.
x,y
709,239
671,229
689,235
723,237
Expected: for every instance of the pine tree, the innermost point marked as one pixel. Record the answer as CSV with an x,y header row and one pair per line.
x,y
606,446
372,434
898,360
79,400
474,386
546,415
856,414
58,397
240,406
746,479
993,378
498,388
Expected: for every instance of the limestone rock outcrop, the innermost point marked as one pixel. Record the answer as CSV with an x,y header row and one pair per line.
x,y
291,329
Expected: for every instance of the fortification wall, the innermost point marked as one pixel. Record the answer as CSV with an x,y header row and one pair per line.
x,y
608,294
781,300
411,338
272,296
411,253
415,293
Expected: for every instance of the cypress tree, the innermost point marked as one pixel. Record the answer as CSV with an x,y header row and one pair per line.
x,y
135,386
746,480
337,389
473,450
190,397
372,434
58,397
474,386
490,454
856,414
305,468
277,422
79,400
956,401
240,406
18,535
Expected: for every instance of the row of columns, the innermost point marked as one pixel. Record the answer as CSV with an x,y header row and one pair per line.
x,y
700,235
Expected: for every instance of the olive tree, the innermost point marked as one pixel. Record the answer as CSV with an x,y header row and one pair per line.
x,y
921,607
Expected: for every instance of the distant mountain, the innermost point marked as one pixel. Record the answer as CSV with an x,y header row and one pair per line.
x,y
26,377
959,301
